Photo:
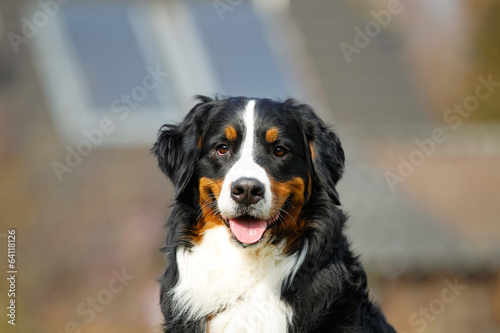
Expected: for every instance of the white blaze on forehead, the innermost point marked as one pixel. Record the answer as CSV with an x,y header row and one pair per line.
x,y
245,167
247,147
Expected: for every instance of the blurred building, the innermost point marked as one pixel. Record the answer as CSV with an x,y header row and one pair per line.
x,y
85,85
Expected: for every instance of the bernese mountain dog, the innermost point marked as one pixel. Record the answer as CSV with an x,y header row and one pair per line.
x,y
255,239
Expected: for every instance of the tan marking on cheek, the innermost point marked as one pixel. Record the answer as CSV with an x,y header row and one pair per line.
x,y
208,186
272,134
200,143
210,218
294,188
209,319
313,154
230,133
291,225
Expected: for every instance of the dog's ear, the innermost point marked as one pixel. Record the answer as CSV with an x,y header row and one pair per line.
x,y
328,159
324,150
178,146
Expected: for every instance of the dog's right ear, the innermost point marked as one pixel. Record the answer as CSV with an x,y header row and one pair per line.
x,y
177,147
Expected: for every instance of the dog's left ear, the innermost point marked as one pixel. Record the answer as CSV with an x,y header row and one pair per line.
x,y
324,150
178,146
328,159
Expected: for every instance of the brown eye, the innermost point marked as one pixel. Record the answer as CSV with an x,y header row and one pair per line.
x,y
279,151
222,149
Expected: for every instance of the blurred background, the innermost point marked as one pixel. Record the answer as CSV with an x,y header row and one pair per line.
x,y
411,87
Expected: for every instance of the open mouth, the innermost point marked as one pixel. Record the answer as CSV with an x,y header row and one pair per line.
x,y
247,229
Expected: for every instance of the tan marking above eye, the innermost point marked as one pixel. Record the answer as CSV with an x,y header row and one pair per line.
x,y
230,133
272,134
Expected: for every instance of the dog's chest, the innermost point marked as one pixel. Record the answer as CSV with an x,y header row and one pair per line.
x,y
238,289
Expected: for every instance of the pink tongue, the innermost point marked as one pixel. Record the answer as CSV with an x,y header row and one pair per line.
x,y
248,230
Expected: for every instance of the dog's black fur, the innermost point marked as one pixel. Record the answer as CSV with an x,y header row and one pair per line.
x,y
329,292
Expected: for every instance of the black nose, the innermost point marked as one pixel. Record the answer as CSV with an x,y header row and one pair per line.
x,y
247,191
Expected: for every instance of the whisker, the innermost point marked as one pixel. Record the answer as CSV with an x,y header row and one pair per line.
x,y
209,203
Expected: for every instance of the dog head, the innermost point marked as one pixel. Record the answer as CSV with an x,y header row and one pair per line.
x,y
251,165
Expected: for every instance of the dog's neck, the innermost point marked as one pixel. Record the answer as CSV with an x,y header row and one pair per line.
x,y
236,287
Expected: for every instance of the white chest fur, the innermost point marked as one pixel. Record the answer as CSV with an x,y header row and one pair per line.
x,y
240,288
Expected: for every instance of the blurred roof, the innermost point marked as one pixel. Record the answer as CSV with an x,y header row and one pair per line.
x,y
378,115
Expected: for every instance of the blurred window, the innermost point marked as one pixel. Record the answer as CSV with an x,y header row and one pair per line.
x,y
109,53
238,48
139,64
